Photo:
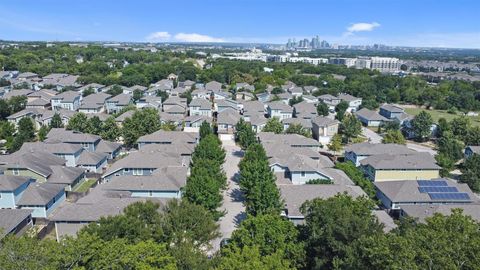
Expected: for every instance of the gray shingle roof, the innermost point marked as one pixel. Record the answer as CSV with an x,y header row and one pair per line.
x,y
64,175
174,137
370,115
279,105
392,108
122,99
296,195
323,121
53,147
407,191
91,158
11,183
40,194
11,218
37,161
421,212
69,136
228,116
163,179
418,161
370,149
202,103
67,96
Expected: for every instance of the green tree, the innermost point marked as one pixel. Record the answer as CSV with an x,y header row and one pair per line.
x,y
250,258
420,246
78,122
421,125
357,177
335,144
341,109
139,222
26,129
94,125
203,189
298,129
446,162
332,225
28,253
17,103
394,136
273,125
88,92
460,126
110,130
322,109
42,132
7,130
137,94
257,182
244,134
471,172
4,109
56,121
141,123
272,234
350,127
183,221
209,148
450,147
205,129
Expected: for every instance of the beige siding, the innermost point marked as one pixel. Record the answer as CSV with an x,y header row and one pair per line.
x,y
393,175
27,173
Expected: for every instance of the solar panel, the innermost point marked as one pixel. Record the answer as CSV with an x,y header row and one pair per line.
x,y
430,183
437,189
449,196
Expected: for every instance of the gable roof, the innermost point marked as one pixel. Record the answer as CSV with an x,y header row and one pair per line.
x,y
407,190
91,158
370,115
279,105
296,195
11,218
11,183
370,149
228,116
323,121
40,194
64,175
70,136
174,137
418,161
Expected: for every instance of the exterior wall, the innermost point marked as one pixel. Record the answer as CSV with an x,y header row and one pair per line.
x,y
27,173
52,205
7,199
278,114
157,194
63,229
394,175
198,111
351,156
385,200
71,159
298,179
130,171
91,110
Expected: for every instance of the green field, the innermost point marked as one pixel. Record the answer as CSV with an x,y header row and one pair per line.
x,y
437,114
85,186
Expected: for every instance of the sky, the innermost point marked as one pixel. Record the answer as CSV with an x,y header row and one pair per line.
x,y
423,23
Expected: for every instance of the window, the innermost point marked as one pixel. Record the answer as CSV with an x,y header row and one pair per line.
x,y
302,174
16,172
137,172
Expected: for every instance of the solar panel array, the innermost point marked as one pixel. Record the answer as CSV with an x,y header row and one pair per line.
x,y
432,183
449,196
437,189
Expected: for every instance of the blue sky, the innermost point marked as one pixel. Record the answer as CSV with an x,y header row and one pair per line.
x,y
436,23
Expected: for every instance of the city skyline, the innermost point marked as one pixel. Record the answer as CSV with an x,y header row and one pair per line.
x,y
345,22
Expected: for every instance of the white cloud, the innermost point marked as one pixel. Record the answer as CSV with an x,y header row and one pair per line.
x,y
362,27
194,37
159,36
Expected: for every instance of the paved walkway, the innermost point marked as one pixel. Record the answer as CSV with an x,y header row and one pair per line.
x,y
232,197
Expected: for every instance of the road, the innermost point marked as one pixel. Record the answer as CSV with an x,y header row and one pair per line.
x,y
375,138
232,196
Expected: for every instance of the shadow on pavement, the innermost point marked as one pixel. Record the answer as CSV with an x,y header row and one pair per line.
x,y
239,218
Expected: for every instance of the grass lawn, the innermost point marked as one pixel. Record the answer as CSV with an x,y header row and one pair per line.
x,y
437,114
83,187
